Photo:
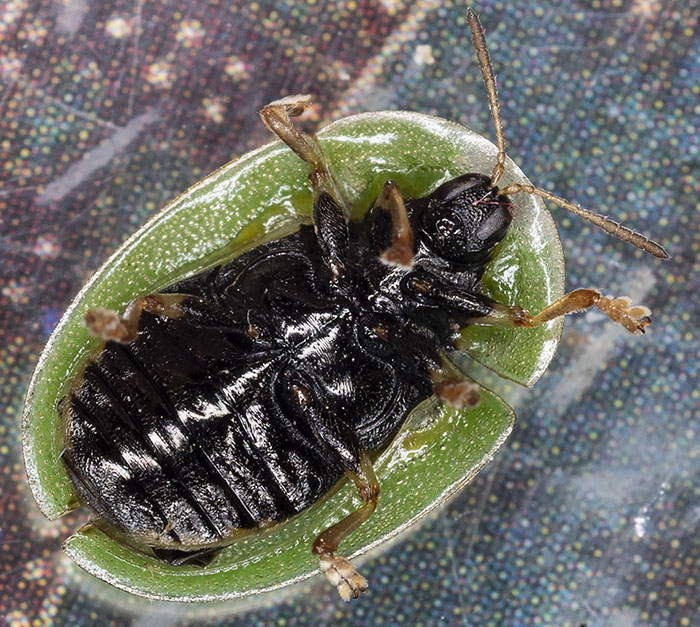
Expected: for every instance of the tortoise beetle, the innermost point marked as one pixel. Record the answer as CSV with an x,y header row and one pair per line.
x,y
251,375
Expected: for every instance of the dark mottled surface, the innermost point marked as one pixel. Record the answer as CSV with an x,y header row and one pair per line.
x,y
109,109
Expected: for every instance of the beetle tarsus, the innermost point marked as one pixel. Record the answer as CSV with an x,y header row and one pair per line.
x,y
633,317
108,325
457,393
339,571
277,117
343,575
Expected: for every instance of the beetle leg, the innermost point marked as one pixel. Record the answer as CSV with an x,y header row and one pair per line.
x,y
342,445
109,325
174,557
479,309
633,317
330,208
277,116
339,571
453,390
426,288
400,253
332,234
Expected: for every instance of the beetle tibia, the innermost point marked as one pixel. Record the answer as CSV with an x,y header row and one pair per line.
x,y
400,253
633,317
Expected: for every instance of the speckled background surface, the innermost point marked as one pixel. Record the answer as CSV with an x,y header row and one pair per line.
x,y
591,513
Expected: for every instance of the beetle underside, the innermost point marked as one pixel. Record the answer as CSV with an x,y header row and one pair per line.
x,y
240,396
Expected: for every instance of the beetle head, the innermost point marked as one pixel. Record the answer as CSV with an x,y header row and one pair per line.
x,y
465,218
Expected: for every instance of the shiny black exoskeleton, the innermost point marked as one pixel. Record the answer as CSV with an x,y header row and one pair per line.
x,y
277,370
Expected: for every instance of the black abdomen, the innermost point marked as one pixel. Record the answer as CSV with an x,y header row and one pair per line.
x,y
186,463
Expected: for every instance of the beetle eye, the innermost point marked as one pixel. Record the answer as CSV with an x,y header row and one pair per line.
x,y
496,223
465,218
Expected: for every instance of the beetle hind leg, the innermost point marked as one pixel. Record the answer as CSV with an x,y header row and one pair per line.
x,y
339,571
339,443
109,325
174,557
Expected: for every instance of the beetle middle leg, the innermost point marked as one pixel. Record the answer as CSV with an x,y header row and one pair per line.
x,y
455,389
329,208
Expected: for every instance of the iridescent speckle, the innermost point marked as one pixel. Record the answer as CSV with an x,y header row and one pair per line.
x,y
214,109
118,27
190,33
237,68
161,74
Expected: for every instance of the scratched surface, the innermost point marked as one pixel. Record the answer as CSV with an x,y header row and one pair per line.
x,y
591,513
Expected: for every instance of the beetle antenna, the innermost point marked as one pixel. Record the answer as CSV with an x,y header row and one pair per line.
x,y
608,225
482,54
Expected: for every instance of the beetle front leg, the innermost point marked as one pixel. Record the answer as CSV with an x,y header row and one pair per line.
x,y
332,234
277,117
400,253
479,309
633,317
109,325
